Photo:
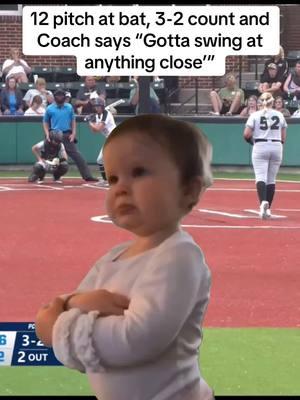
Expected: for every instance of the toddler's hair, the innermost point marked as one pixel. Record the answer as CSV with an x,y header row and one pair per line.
x,y
186,144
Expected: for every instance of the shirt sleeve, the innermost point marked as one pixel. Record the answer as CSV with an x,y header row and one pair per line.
x,y
46,117
110,121
23,61
159,306
72,114
7,63
28,95
250,121
41,146
283,122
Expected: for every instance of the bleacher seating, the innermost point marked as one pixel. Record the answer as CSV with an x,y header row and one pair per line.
x,y
26,86
66,78
73,87
55,85
42,72
251,88
65,74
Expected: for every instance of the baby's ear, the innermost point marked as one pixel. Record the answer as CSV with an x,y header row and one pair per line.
x,y
192,191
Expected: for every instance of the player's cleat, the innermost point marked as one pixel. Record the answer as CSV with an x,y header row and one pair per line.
x,y
268,213
91,179
102,183
264,206
40,181
57,181
33,178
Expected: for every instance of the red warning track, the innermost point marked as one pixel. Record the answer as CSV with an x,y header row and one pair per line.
x,y
48,243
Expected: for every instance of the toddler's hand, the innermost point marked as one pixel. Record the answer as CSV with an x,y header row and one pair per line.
x,y
46,318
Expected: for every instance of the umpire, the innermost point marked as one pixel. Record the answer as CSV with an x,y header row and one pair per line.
x,y
59,116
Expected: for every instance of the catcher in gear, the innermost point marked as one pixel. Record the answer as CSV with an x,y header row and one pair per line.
x,y
51,157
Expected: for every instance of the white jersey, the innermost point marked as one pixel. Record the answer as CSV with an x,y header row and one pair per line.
x,y
108,120
266,124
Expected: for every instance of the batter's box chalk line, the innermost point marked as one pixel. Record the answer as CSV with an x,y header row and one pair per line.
x,y
273,216
236,215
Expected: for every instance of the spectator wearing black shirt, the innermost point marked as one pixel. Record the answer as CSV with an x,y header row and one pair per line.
x,y
281,63
271,81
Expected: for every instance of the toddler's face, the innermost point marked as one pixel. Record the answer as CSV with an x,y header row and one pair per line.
x,y
145,194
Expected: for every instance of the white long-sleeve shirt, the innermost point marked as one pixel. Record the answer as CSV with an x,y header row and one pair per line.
x,y
151,352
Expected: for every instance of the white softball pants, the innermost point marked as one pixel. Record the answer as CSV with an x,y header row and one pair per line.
x,y
266,160
100,157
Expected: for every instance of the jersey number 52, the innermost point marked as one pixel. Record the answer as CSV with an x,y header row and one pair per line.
x,y
264,123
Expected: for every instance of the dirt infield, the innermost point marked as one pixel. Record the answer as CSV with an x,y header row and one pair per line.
x,y
49,241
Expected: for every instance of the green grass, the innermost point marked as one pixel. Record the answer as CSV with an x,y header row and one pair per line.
x,y
25,174
233,361
249,175
253,361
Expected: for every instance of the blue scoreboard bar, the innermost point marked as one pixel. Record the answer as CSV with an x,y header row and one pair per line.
x,y
19,346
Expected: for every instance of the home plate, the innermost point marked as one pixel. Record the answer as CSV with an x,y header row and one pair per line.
x,y
273,216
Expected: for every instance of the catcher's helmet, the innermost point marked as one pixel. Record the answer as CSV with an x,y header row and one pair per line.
x,y
56,136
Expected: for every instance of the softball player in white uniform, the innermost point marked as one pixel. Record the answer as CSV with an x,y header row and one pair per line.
x,y
101,122
267,129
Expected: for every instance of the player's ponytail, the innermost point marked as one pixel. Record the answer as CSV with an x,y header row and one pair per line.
x,y
267,101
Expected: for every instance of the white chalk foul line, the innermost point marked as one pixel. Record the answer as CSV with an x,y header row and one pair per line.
x,y
94,186
288,209
239,216
241,227
250,190
274,216
225,214
106,220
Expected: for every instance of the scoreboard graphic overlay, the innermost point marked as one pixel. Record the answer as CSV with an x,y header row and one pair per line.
x,y
19,346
